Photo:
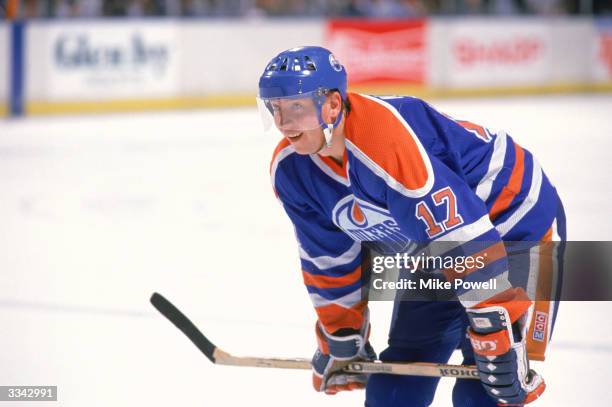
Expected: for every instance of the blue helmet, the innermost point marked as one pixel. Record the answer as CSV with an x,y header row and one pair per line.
x,y
302,70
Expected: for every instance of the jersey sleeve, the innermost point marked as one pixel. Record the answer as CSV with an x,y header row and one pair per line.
x,y
330,260
431,202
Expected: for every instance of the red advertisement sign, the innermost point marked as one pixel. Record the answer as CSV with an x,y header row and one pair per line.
x,y
380,51
509,51
605,51
482,54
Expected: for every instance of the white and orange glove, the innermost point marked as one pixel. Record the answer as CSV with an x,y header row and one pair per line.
x,y
334,352
497,334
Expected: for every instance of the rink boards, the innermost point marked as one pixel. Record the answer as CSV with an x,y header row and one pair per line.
x,y
4,56
72,66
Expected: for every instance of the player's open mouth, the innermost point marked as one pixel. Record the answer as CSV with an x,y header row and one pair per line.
x,y
296,137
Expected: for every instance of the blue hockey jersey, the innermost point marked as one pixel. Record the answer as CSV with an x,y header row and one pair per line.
x,y
410,173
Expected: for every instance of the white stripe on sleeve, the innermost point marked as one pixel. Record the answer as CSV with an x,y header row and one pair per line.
x,y
346,301
326,262
530,200
483,190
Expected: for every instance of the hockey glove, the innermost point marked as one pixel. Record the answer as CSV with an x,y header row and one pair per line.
x,y
335,352
498,340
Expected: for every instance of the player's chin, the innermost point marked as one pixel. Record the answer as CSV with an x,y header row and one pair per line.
x,y
305,147
303,151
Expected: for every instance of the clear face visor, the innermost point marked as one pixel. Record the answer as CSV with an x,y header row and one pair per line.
x,y
293,114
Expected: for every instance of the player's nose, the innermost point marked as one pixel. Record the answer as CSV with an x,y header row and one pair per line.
x,y
287,128
285,120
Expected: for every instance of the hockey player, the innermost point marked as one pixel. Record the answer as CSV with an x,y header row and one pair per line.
x,y
354,169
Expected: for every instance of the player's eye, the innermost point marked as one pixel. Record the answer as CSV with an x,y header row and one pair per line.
x,y
297,107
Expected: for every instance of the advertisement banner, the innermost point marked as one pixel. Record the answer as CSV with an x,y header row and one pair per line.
x,y
380,51
4,68
102,60
602,50
483,53
222,56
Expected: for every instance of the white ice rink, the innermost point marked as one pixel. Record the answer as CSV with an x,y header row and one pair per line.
x,y
98,212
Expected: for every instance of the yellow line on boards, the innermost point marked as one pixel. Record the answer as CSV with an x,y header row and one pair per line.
x,y
242,100
134,105
432,93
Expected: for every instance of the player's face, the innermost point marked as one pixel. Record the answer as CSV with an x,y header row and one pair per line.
x,y
298,121
307,142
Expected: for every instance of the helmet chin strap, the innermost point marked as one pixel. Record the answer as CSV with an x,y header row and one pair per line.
x,y
328,131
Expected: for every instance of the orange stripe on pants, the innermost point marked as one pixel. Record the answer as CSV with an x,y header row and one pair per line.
x,y
538,335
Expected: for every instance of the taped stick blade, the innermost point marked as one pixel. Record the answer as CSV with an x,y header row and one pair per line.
x,y
168,310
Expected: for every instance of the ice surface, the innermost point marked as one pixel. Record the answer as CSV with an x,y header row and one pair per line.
x,y
98,212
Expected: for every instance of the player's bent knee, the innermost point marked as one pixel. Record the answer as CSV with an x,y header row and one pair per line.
x,y
400,391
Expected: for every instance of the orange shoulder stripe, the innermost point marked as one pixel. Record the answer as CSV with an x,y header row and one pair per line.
x,y
280,146
381,136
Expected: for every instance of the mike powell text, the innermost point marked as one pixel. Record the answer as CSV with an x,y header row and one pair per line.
x,y
433,284
456,264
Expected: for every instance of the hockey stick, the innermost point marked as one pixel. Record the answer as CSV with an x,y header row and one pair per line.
x,y
219,357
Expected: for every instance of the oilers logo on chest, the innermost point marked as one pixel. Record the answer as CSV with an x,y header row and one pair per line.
x,y
368,223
